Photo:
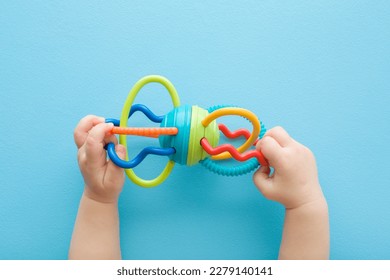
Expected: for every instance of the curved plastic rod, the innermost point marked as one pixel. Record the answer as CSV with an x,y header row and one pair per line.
x,y
114,121
153,132
139,158
237,112
241,169
147,112
139,107
239,132
232,150
123,122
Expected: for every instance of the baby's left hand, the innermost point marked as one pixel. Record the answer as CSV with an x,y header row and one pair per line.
x,y
103,179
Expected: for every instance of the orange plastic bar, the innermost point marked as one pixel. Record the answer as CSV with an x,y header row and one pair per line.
x,y
153,132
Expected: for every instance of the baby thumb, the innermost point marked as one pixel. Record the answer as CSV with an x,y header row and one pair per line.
x,y
113,171
263,182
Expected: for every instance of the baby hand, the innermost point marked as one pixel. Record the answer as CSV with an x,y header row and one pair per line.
x,y
103,179
295,180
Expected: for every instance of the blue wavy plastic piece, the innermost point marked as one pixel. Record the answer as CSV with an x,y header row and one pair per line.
x,y
146,151
147,112
238,170
142,108
114,121
139,158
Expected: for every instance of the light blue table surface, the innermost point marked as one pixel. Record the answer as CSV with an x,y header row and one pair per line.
x,y
320,69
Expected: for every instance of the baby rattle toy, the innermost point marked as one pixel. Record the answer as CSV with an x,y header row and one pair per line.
x,y
187,135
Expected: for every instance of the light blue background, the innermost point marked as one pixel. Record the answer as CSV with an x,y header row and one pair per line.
x,y
321,69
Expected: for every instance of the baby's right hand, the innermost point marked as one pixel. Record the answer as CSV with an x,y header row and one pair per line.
x,y
295,179
103,179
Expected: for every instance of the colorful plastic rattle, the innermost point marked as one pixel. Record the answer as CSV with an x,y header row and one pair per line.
x,y
187,135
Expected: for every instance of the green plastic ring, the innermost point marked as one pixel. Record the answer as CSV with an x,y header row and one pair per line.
x,y
123,123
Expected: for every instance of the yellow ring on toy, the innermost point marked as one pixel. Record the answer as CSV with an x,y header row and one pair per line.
x,y
123,123
238,112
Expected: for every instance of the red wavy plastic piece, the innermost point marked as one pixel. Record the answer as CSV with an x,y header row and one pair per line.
x,y
240,132
233,151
